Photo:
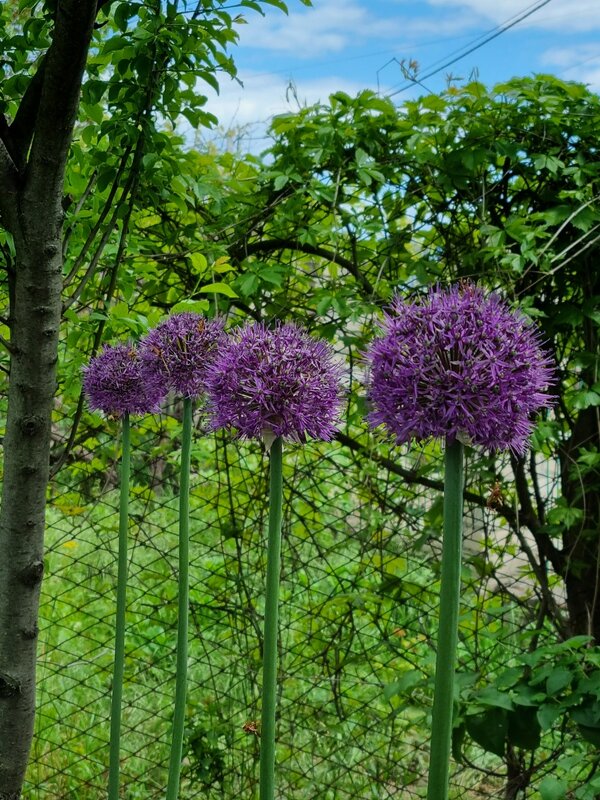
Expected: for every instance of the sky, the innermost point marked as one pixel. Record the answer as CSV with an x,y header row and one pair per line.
x,y
349,45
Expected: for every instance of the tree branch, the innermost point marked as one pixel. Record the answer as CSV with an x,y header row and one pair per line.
x,y
64,64
273,245
412,476
22,128
108,205
525,516
8,186
515,517
546,548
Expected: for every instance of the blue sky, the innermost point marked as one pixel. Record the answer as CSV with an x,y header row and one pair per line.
x,y
356,44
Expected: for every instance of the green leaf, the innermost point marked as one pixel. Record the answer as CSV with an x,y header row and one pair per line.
x,y
458,737
549,162
93,112
489,729
198,262
274,275
119,311
558,679
524,729
106,175
588,714
218,288
122,14
547,715
509,678
590,684
93,91
408,681
280,181
194,306
114,44
585,399
148,221
489,696
222,265
278,4
552,788
248,284
590,734
564,515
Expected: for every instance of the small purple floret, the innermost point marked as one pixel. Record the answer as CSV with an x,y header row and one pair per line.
x,y
275,382
115,383
458,364
179,351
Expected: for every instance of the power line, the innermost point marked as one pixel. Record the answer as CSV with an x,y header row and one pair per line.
x,y
476,45
595,57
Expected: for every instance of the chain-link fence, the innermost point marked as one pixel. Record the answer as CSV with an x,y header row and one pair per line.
x,y
359,595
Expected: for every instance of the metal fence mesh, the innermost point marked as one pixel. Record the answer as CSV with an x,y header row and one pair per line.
x,y
359,593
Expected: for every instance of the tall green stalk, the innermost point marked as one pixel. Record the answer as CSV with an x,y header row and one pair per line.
x,y
441,732
119,663
269,690
183,603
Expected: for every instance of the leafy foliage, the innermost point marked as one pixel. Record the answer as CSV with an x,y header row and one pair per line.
x,y
354,201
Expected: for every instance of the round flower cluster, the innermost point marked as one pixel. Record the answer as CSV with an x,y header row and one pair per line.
x,y
115,383
458,364
179,351
275,382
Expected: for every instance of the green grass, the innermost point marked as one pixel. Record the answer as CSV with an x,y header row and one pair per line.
x,y
357,607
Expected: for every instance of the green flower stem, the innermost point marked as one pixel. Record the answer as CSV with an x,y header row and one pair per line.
x,y
183,604
269,691
119,663
441,731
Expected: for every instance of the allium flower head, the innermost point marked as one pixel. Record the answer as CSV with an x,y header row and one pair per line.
x,y
458,364
116,383
179,351
275,382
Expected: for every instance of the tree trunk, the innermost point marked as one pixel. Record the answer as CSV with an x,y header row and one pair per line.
x,y
33,156
34,336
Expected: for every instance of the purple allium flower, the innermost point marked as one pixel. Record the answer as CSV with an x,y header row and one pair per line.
x,y
275,382
179,351
116,383
458,364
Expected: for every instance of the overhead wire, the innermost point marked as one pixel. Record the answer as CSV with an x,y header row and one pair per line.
x,y
477,43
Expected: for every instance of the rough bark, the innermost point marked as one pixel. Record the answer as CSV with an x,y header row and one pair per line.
x,y
34,326
33,155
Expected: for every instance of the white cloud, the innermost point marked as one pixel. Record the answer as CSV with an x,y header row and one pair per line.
x,y
571,57
251,107
580,64
338,37
331,26
574,16
326,28
591,77
264,95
